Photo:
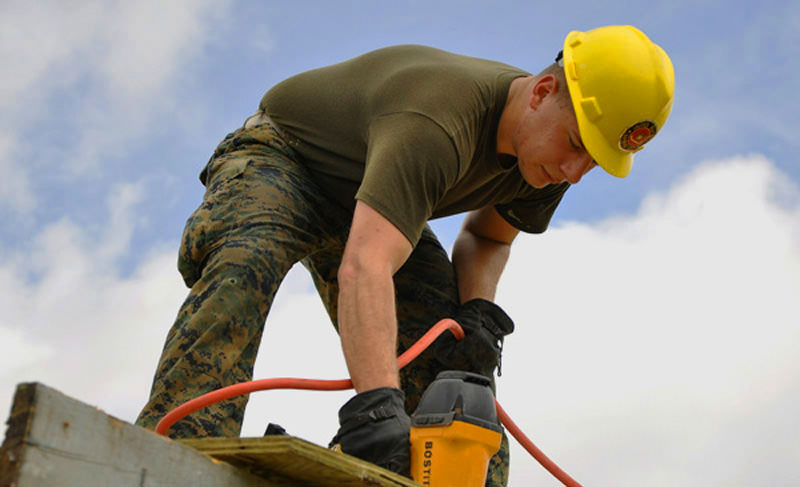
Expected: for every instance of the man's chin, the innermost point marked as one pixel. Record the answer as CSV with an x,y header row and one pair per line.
x,y
538,183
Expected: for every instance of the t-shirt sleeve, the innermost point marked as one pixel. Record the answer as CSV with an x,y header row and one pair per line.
x,y
411,162
532,213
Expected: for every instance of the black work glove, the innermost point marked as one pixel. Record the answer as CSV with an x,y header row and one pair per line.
x,y
375,427
485,325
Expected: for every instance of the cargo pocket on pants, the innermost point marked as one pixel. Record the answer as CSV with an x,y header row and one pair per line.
x,y
209,224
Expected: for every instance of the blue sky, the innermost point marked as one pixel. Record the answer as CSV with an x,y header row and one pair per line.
x,y
108,111
103,111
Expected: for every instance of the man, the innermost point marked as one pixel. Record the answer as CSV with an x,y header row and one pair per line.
x,y
341,168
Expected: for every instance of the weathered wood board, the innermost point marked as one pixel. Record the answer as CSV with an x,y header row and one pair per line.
x,y
54,440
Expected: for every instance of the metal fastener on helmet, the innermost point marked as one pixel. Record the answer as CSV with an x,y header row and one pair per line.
x,y
621,85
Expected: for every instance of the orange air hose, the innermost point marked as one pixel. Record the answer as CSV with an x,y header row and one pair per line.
x,y
404,359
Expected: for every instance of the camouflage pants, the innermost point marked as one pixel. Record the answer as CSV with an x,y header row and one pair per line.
x,y
261,214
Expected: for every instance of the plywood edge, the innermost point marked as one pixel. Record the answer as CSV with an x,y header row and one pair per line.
x,y
298,459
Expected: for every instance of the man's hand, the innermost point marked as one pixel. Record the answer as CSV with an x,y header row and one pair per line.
x,y
375,428
485,325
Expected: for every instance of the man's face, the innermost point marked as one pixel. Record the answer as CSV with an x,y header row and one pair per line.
x,y
548,144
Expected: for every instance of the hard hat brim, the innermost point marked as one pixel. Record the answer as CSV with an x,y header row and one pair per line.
x,y
612,159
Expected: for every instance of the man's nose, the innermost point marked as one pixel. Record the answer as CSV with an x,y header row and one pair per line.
x,y
576,167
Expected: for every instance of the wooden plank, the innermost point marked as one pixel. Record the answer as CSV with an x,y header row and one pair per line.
x,y
306,463
54,440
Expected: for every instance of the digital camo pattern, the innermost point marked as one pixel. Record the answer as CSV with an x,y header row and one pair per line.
x,y
262,213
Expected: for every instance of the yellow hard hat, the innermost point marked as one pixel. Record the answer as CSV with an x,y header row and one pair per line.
x,y
621,85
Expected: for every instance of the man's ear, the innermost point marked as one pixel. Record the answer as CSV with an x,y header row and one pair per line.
x,y
544,86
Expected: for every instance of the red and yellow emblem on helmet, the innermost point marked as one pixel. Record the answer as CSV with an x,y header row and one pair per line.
x,y
637,135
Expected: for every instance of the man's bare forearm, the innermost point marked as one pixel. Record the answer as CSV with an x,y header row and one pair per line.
x,y
368,328
375,250
479,263
480,253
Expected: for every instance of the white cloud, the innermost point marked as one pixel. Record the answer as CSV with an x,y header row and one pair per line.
x,y
646,341
652,349
25,351
33,39
92,333
145,41
122,219
132,49
104,70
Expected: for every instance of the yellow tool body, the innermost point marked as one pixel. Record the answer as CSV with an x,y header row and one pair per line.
x,y
454,431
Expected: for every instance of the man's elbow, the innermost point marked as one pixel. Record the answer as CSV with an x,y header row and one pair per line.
x,y
356,267
487,225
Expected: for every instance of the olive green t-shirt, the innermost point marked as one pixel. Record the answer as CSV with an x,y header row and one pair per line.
x,y
412,132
